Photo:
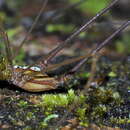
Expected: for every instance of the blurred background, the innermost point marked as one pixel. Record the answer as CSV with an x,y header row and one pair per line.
x,y
59,19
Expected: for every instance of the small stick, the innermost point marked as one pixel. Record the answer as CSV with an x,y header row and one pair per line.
x,y
32,27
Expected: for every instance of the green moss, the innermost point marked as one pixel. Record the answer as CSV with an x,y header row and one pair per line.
x,y
85,75
23,104
27,128
60,100
99,110
44,123
54,100
50,117
30,116
112,74
84,123
60,27
115,120
81,113
105,95
92,6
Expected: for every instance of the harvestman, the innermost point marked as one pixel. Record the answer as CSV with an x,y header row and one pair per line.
x,y
34,80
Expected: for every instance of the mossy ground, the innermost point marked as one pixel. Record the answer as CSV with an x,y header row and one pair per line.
x,y
105,104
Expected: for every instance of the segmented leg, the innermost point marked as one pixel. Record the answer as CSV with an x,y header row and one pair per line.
x,y
99,47
46,60
93,52
34,84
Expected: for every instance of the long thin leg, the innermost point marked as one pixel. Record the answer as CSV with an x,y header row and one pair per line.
x,y
30,30
104,43
45,61
93,52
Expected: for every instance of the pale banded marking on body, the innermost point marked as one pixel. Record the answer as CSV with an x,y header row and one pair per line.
x,y
35,68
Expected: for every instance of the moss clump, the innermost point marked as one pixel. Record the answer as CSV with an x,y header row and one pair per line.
x,y
23,104
104,95
60,100
30,116
83,119
119,120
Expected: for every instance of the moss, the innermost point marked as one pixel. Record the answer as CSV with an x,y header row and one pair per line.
x,y
115,120
23,104
59,27
99,110
30,116
27,128
112,74
60,100
85,74
42,125
81,114
104,95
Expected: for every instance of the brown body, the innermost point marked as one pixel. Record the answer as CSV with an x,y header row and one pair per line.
x,y
38,82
